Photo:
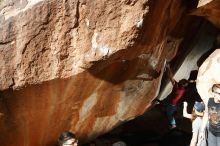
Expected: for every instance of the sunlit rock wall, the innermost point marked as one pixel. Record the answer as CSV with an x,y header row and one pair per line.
x,y
209,75
80,65
209,71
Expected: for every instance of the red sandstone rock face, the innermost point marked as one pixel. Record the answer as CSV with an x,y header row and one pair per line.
x,y
80,65
210,9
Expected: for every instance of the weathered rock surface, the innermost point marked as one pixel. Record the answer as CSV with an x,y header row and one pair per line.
x,y
210,9
208,75
80,65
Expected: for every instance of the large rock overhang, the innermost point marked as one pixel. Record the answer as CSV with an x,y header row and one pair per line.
x,y
83,66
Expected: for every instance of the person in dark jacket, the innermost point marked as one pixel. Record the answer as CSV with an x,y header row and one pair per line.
x,y
211,118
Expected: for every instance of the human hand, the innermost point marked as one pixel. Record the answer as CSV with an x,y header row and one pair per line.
x,y
167,65
185,104
192,81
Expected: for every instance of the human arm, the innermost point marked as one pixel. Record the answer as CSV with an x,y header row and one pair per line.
x,y
204,123
185,113
170,75
194,139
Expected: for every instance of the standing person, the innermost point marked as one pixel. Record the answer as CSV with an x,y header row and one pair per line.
x,y
196,117
178,91
212,118
67,139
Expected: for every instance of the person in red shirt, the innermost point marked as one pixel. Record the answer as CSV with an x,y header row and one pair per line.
x,y
178,91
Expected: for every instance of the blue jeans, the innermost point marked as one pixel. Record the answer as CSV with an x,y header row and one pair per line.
x,y
170,110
